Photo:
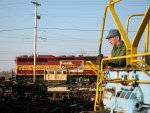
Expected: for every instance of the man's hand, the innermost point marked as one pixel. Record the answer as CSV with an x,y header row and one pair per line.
x,y
109,56
99,58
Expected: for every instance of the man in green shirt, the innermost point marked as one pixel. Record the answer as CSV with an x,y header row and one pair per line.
x,y
119,49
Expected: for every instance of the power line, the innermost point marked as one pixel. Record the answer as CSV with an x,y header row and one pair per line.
x,y
71,29
5,30
15,3
61,29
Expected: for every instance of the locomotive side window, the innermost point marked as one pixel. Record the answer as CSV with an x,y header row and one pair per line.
x,y
64,72
66,58
59,72
51,72
30,60
42,60
90,58
25,59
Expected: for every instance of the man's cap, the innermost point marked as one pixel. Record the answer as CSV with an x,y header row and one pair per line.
x,y
112,33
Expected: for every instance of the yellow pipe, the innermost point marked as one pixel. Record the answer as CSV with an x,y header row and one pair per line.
x,y
140,31
141,61
112,2
129,80
118,80
115,79
103,24
132,61
147,58
147,38
143,81
97,94
127,23
132,80
128,56
140,68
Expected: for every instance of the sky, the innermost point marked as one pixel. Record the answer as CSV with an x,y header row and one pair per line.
x,y
66,27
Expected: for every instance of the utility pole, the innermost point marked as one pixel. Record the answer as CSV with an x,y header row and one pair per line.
x,y
35,37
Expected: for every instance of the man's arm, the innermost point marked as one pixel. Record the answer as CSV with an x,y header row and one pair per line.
x,y
118,62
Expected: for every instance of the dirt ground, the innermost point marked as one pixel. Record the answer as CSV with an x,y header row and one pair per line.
x,y
43,105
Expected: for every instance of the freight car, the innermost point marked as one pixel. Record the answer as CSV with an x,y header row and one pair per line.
x,y
57,69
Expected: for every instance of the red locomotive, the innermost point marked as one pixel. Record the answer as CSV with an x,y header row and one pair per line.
x,y
58,66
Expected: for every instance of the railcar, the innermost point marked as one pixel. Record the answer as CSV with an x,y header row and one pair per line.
x,y
66,69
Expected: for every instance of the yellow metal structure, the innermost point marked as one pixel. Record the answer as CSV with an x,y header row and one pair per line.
x,y
132,56
100,77
128,20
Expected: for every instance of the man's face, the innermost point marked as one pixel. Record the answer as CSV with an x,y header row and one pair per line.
x,y
113,41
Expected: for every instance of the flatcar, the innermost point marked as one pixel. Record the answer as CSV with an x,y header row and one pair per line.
x,y
66,68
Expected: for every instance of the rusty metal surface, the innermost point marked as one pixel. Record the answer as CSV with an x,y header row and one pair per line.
x,y
37,98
